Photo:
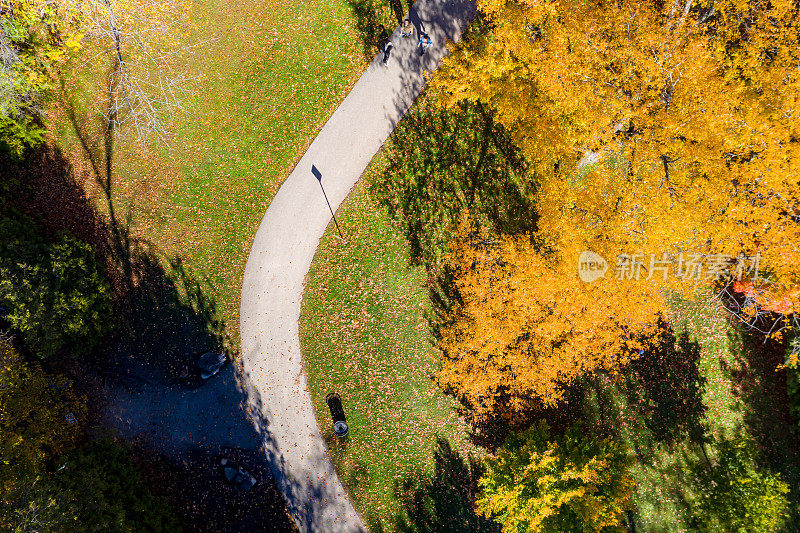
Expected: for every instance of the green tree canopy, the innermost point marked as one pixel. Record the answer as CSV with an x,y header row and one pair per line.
x,y
47,483
103,490
557,483
735,495
53,294
34,427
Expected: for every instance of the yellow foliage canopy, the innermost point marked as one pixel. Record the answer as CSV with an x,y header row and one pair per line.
x,y
690,112
526,324
693,109
554,484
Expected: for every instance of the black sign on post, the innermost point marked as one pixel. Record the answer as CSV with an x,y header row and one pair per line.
x,y
334,402
318,175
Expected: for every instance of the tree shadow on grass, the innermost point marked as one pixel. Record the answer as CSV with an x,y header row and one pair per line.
x,y
172,320
490,433
163,311
161,308
444,503
664,384
44,188
446,163
661,498
761,385
372,17
165,316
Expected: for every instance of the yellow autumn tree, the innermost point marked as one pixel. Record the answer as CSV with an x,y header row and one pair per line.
x,y
540,482
667,135
525,326
690,110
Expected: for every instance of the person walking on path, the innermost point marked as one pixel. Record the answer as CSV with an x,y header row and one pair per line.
x,y
424,42
407,29
387,48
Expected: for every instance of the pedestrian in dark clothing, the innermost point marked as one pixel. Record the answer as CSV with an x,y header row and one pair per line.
x,y
387,48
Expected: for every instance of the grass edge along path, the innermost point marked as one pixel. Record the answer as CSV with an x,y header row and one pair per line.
x,y
364,334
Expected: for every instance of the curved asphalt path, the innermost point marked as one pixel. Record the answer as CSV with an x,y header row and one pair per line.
x,y
281,256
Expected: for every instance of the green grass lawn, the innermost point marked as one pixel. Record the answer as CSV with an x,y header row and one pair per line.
x,y
708,327
269,74
364,334
665,490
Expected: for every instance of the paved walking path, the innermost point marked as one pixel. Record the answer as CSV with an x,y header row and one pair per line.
x,y
281,256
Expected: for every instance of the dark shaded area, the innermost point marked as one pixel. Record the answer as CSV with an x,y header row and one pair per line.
x,y
172,321
444,164
664,384
659,401
446,502
105,490
793,390
600,402
490,433
611,409
761,385
205,502
43,187
372,20
54,294
40,193
165,316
